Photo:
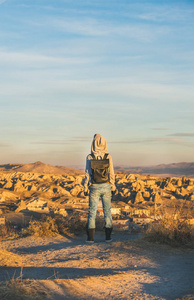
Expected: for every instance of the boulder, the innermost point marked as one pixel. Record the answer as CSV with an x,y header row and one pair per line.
x,y
139,198
62,191
6,195
191,198
75,190
22,206
2,183
183,180
79,180
150,182
70,178
61,211
183,191
81,195
33,188
146,194
170,187
126,192
121,204
179,182
8,185
19,187
190,182
189,188
156,198
130,177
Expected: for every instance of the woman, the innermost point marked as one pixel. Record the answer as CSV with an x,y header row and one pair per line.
x,y
99,182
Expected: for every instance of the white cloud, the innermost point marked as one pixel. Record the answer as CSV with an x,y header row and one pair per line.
x,y
160,129
63,142
182,134
164,13
101,28
3,145
150,140
44,83
24,59
51,142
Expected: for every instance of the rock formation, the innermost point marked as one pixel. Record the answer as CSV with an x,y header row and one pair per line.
x,y
63,191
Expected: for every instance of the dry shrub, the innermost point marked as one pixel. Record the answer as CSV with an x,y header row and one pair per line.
x,y
72,223
7,231
51,226
19,289
45,227
172,227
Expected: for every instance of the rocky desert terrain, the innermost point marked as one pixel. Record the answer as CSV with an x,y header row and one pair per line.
x,y
46,191
65,267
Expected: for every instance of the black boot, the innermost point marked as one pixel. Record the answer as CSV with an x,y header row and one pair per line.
x,y
90,235
108,234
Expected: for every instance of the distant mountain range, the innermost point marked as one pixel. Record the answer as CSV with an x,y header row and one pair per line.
x,y
174,169
39,167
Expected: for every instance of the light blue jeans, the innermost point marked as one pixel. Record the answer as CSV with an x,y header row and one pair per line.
x,y
97,191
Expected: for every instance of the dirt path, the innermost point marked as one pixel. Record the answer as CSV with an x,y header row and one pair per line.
x,y
124,269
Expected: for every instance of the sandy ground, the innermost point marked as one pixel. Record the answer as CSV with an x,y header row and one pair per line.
x,y
127,268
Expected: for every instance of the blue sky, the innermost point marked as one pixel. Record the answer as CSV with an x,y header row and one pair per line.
x,y
70,69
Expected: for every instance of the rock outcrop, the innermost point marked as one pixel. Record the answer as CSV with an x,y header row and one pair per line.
x,y
67,190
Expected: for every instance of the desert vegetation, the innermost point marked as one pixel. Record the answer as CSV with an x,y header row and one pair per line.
x,y
23,289
172,227
51,226
7,231
46,226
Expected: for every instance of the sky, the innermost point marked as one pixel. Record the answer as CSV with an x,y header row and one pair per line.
x,y
70,69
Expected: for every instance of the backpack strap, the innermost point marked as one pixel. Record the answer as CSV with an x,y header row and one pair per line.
x,y
93,156
106,155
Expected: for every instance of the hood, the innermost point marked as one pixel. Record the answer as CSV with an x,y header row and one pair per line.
x,y
99,145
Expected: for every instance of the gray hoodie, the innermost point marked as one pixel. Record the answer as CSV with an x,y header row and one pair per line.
x,y
99,149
